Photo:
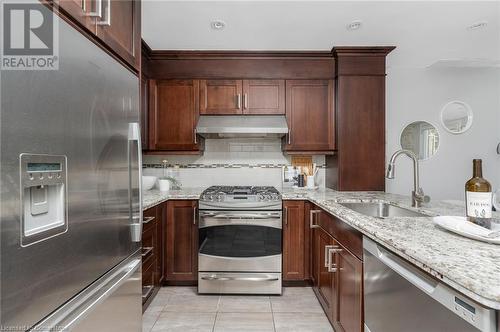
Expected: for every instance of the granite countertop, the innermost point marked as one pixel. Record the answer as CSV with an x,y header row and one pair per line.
x,y
154,197
469,266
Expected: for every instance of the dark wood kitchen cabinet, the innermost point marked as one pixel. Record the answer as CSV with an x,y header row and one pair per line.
x,y
325,287
144,111
120,29
359,163
80,11
181,250
236,97
173,115
293,241
261,97
152,252
160,243
337,272
310,116
116,24
221,97
350,292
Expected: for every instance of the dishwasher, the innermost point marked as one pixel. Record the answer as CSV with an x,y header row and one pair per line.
x,y
398,297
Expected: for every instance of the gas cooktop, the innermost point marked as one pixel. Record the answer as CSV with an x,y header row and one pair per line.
x,y
250,197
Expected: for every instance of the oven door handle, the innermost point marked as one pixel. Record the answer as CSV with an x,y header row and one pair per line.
x,y
214,222
240,215
214,277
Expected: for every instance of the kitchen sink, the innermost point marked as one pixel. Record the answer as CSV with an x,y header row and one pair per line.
x,y
382,210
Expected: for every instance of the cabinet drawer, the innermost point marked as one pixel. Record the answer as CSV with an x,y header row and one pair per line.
x,y
148,244
346,235
147,280
149,218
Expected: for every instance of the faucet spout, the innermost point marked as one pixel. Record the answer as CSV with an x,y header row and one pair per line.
x,y
390,171
418,196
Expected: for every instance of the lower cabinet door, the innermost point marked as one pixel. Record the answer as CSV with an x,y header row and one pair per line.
x,y
182,241
350,292
326,279
315,257
160,244
293,240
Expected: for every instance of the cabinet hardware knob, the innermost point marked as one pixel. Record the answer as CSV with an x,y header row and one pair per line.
x,y
311,218
238,101
98,9
286,216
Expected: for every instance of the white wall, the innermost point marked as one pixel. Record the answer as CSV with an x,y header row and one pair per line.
x,y
419,94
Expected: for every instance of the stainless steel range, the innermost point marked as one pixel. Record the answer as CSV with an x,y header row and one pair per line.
x,y
240,240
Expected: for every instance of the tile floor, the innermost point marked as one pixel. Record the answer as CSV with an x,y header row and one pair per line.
x,y
181,309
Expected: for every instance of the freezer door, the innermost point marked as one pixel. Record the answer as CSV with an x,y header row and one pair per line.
x,y
113,303
83,113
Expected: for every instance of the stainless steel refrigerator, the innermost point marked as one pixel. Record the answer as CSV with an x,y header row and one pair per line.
x,y
70,193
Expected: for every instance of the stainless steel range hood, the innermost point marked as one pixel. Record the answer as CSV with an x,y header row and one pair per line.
x,y
227,126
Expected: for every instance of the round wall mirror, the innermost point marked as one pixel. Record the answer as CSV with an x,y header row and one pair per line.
x,y
456,117
420,137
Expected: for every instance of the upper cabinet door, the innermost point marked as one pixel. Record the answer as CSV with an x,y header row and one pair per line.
x,y
310,116
221,97
144,113
264,97
173,113
119,28
81,11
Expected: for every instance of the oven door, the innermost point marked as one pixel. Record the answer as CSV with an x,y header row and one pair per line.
x,y
240,241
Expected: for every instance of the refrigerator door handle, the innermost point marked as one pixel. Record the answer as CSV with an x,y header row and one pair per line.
x,y
136,217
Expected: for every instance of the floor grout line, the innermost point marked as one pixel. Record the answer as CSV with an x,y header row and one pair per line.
x,y
156,320
215,321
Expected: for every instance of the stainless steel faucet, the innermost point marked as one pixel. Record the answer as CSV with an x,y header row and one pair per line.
x,y
417,195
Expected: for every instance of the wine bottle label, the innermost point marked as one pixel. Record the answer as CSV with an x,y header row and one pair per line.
x,y
479,204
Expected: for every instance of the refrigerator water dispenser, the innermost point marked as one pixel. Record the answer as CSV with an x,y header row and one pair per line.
x,y
43,197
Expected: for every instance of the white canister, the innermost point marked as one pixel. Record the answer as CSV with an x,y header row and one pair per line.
x,y
310,181
163,185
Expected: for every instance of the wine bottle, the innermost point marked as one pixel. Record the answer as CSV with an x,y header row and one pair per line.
x,y
478,196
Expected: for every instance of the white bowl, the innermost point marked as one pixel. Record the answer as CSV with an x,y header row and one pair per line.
x,y
148,182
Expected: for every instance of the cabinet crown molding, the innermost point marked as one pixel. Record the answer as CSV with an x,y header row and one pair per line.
x,y
362,50
225,55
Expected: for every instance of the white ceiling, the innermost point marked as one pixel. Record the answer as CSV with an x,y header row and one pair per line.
x,y
422,31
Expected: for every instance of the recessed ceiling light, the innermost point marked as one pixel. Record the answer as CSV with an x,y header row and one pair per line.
x,y
218,24
478,25
354,25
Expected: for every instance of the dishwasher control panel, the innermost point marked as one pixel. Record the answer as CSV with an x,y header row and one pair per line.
x,y
43,198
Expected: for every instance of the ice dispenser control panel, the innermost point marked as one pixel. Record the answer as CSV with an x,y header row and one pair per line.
x,y
43,197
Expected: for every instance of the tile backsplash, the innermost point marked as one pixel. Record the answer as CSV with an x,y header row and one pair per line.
x,y
235,161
